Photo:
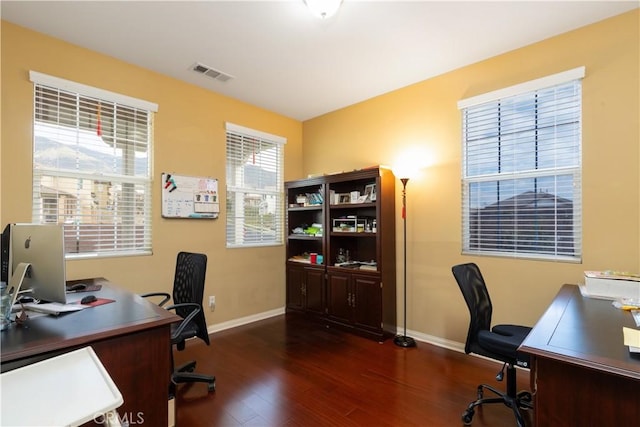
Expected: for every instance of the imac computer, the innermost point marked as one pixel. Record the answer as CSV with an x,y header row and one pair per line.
x,y
42,246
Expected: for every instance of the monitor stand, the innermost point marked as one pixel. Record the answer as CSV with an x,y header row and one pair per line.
x,y
15,283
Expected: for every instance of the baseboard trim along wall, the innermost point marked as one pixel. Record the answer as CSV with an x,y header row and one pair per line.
x,y
217,327
437,341
429,339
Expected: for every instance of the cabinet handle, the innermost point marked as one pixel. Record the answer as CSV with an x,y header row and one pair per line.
x,y
303,289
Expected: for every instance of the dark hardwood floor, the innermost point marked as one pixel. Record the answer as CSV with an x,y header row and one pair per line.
x,y
287,371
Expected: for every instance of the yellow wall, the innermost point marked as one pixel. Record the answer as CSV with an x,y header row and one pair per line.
x,y
189,140
251,281
426,115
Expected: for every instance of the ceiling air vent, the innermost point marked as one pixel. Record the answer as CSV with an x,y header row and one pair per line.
x,y
210,72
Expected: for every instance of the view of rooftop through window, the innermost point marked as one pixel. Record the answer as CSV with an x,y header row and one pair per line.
x,y
521,172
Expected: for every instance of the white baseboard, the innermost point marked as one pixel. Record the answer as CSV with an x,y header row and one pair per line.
x,y
418,336
448,344
217,327
437,341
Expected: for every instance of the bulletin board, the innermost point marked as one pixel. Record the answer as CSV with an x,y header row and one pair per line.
x,y
189,197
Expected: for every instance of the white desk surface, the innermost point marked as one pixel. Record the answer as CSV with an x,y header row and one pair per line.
x,y
66,390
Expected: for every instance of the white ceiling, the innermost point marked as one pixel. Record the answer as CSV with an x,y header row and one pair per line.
x,y
286,60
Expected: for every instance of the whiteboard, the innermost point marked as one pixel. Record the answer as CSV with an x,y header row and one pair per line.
x,y
189,196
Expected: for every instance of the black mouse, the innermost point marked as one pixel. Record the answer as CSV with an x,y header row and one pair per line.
x,y
77,287
88,299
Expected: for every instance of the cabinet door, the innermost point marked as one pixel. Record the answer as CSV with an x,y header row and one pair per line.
x,y
339,297
314,290
295,283
367,303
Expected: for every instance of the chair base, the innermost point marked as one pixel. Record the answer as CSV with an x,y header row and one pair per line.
x,y
511,399
184,374
521,401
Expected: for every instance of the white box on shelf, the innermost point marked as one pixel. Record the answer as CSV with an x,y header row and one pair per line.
x,y
345,224
611,285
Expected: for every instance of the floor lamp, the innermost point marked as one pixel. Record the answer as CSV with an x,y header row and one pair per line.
x,y
404,340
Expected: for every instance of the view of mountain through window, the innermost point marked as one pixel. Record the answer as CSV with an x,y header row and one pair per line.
x,y
254,187
92,171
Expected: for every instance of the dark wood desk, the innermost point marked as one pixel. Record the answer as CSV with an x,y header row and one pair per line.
x,y
130,336
581,372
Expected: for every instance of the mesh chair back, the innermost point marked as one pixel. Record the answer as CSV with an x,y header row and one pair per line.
x,y
188,286
474,291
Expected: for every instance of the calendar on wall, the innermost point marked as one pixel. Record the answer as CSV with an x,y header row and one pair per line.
x,y
189,197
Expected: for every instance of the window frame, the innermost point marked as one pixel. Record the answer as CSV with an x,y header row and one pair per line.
x,y
125,177
522,249
236,134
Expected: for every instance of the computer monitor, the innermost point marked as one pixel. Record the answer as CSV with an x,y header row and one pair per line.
x,y
41,245
5,252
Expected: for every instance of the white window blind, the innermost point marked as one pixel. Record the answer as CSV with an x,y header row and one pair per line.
x,y
521,171
254,187
92,167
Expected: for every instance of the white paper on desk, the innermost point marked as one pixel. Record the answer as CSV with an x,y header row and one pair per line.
x,y
632,339
53,307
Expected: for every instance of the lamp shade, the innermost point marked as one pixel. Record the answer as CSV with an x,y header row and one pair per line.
x,y
323,8
406,169
410,163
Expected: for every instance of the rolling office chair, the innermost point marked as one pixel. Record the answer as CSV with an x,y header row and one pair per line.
x,y
188,289
500,343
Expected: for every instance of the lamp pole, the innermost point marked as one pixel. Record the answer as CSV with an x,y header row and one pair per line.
x,y
404,340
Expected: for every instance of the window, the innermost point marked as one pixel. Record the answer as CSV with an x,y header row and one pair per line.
x,y
254,187
92,166
521,170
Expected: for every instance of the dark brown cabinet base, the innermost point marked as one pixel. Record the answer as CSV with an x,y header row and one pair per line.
x,y
355,302
305,289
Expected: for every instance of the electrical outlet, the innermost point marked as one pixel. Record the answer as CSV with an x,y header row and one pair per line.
x,y
212,303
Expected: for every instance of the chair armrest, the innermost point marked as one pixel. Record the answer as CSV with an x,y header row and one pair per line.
x,y
166,297
195,309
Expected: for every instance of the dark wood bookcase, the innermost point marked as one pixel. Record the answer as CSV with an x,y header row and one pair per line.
x,y
341,252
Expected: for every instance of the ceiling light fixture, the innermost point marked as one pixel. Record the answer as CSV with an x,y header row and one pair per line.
x,y
323,8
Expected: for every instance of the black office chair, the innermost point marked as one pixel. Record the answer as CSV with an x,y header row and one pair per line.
x,y
188,289
500,342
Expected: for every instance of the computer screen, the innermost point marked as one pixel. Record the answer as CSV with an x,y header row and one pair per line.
x,y
41,245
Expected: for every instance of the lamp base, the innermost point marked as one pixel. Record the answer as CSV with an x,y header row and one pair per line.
x,y
404,341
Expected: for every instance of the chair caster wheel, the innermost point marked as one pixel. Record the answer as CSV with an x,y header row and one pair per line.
x,y
211,386
525,400
525,395
467,417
